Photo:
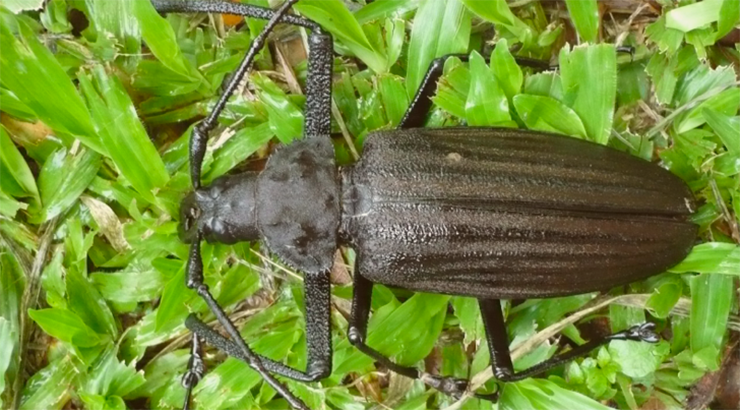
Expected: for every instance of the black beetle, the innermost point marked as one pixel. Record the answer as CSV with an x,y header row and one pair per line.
x,y
490,213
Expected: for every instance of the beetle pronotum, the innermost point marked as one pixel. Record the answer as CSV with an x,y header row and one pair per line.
x,y
491,213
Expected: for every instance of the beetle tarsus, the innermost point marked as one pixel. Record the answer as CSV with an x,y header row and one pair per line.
x,y
641,333
452,386
196,369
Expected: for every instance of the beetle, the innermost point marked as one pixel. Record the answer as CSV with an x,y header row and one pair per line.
x,y
490,213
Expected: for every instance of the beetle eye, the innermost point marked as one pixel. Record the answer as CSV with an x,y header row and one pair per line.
x,y
190,213
191,217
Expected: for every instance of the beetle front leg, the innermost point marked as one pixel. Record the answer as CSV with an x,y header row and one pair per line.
x,y
194,281
196,368
318,335
498,343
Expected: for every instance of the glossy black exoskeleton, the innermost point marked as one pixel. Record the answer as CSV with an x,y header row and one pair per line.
x,y
490,213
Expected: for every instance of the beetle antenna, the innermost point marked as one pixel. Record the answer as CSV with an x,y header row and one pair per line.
x,y
199,136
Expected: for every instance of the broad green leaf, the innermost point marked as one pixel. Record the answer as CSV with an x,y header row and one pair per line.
x,y
381,9
334,17
495,11
543,394
729,16
16,178
467,311
664,298
725,103
711,300
668,39
133,284
585,16
693,16
16,6
701,80
63,178
453,88
548,114
9,207
486,104
434,17
711,257
589,76
109,377
726,128
286,119
161,40
394,96
407,332
122,133
10,104
507,72
637,360
116,19
86,302
49,387
9,341
174,296
238,148
65,326
38,75
498,12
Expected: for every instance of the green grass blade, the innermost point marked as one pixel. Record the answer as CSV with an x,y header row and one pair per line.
x,y
38,75
115,19
726,128
333,16
66,326
432,18
693,16
589,76
507,72
486,104
9,341
49,387
86,302
711,300
543,394
382,9
286,119
120,129
161,40
63,178
16,178
549,115
729,16
585,16
238,148
711,257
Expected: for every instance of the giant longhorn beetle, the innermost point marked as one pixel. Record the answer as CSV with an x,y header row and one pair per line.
x,y
491,213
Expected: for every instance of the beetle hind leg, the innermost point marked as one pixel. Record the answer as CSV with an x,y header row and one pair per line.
x,y
357,333
498,343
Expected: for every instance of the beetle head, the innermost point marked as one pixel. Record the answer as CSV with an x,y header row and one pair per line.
x,y
222,212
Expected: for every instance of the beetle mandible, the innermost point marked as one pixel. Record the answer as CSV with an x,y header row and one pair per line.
x,y
491,213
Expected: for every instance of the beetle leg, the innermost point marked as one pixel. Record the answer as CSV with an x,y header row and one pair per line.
x,y
357,332
422,103
196,368
194,281
498,343
318,85
318,335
